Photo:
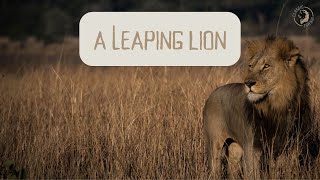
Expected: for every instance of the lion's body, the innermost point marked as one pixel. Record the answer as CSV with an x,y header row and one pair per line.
x,y
227,104
270,109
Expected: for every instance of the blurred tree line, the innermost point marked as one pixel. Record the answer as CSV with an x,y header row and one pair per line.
x,y
55,19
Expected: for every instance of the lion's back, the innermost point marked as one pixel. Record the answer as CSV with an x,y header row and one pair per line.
x,y
227,97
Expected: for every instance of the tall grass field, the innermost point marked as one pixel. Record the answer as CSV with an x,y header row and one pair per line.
x,y
65,120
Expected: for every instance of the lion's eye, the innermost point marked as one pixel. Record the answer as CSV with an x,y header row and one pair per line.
x,y
250,66
266,66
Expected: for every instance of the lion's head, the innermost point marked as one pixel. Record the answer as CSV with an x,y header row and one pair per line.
x,y
275,72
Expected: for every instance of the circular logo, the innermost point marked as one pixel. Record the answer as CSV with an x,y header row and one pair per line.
x,y
303,16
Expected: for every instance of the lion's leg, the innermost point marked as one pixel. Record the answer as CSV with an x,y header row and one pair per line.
x,y
235,154
264,164
215,147
251,162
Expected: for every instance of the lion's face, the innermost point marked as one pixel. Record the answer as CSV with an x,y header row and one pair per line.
x,y
271,71
265,73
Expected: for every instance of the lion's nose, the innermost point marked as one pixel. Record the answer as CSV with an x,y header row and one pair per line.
x,y
250,83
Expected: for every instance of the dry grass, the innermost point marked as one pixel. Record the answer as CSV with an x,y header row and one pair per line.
x,y
141,122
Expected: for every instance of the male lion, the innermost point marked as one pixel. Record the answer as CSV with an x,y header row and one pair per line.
x,y
265,112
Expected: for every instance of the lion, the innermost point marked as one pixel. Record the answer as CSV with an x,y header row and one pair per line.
x,y
270,108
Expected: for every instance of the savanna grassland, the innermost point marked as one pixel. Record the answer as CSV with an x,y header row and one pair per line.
x,y
68,120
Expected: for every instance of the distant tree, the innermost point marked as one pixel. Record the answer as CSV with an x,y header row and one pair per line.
x,y
53,19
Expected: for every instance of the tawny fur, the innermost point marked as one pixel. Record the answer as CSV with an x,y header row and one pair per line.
x,y
264,116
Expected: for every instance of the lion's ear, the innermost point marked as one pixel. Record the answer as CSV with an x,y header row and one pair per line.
x,y
293,57
251,48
